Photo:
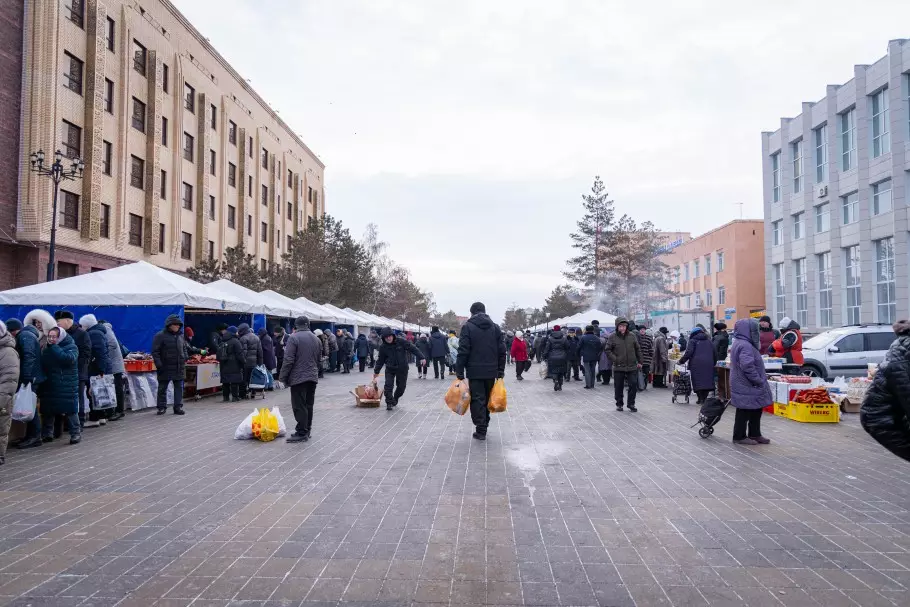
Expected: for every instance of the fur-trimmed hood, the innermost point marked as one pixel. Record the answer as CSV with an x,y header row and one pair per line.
x,y
45,319
901,327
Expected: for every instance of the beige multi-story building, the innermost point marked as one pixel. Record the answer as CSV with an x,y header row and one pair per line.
x,y
182,158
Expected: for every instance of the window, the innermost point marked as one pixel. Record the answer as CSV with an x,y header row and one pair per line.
x,y
135,230
163,193
189,98
72,140
686,271
802,297
278,240
853,290
249,186
290,178
138,115
75,11
876,342
265,196
211,250
721,295
249,225
108,150
232,132
850,343
708,299
848,139
708,264
881,133
775,177
212,208
696,266
720,261
885,290
825,316
111,32
137,172
232,217
69,210
264,232
161,233
796,151
851,208
67,270
187,196
290,210
164,129
278,204
775,232
251,146
139,57
798,226
265,158
188,146
881,197
186,245
698,299
780,293
72,77
309,196
108,96
907,93
821,154
105,221
232,175
822,218
214,118
212,161
165,78
688,301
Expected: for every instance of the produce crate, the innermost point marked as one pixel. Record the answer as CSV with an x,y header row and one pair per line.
x,y
780,409
813,413
361,401
138,366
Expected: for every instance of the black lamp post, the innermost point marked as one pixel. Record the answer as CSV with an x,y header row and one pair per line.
x,y
57,173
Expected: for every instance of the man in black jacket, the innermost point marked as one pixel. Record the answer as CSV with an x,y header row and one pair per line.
x,y
65,321
590,349
169,354
439,348
393,354
482,356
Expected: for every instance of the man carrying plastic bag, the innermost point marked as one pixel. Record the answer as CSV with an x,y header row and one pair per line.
x,y
482,357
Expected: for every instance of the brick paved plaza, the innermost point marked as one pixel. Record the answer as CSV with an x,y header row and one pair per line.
x,y
567,503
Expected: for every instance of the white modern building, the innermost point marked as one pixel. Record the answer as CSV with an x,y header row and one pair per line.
x,y
837,231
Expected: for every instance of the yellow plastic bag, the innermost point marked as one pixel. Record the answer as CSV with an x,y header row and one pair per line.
x,y
497,402
458,397
265,425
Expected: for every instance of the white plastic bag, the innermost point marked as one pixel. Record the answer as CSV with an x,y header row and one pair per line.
x,y
282,428
104,395
245,430
24,404
544,372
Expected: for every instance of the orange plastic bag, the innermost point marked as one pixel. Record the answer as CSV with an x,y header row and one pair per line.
x,y
458,397
497,401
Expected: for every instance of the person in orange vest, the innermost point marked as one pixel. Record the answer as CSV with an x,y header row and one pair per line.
x,y
790,343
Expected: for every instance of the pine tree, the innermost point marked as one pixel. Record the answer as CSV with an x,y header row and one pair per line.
x,y
561,302
636,275
591,239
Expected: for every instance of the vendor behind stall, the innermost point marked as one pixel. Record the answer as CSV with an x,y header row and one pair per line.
x,y
789,346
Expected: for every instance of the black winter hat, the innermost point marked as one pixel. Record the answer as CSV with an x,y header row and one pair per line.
x,y
765,318
301,322
664,330
478,308
720,326
62,314
14,324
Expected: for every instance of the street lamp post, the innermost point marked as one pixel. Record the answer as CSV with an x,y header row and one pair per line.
x,y
548,322
57,173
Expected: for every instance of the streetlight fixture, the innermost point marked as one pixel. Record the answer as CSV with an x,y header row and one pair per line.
x,y
548,322
57,173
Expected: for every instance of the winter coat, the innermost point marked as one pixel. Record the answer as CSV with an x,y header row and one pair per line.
x,y
790,343
683,343
573,345
280,340
332,340
721,343
439,346
885,413
394,356
29,348
660,363
84,347
362,346
252,347
9,381
347,346
374,344
425,347
324,340
230,359
268,350
481,349
59,393
100,363
700,356
302,358
169,352
749,387
767,337
605,363
114,354
453,348
556,353
214,341
590,347
646,342
624,350
519,350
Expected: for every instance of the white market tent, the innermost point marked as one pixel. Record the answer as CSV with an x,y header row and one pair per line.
x,y
346,317
318,310
236,291
580,320
363,319
295,306
135,284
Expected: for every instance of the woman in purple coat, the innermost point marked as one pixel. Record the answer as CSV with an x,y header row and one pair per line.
x,y
700,356
749,387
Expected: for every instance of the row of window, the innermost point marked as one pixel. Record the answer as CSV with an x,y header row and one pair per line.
x,y
881,203
880,129
685,301
885,288
696,267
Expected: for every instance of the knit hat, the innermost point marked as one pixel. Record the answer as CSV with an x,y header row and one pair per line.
x,y
720,326
14,324
477,308
765,318
232,330
88,321
62,314
317,332
188,332
557,328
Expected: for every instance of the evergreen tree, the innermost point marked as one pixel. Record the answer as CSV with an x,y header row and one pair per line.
x,y
591,239
561,302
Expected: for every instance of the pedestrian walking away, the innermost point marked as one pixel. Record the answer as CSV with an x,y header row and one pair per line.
x,y
482,359
230,360
423,344
510,337
590,348
439,348
646,342
700,356
332,351
252,356
625,357
453,352
346,351
660,363
519,355
556,353
362,348
169,355
573,357
749,389
268,350
300,371
280,339
393,355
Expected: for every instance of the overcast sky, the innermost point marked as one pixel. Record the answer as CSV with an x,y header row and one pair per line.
x,y
468,130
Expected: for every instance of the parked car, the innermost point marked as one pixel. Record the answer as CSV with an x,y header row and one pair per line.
x,y
846,351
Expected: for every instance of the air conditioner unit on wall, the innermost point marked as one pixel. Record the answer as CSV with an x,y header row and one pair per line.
x,y
822,191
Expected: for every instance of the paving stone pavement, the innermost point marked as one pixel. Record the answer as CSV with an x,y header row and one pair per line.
x,y
568,502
